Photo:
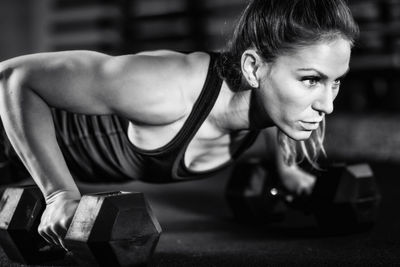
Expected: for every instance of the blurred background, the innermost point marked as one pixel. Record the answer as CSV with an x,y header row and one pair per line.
x,y
366,123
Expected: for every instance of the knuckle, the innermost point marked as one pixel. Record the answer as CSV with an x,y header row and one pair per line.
x,y
42,229
54,228
63,223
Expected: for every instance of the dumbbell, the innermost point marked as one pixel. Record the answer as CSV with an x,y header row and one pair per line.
x,y
344,198
20,213
108,229
252,195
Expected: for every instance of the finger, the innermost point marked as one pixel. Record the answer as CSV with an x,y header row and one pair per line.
x,y
45,237
313,182
308,190
308,187
62,243
302,191
61,232
52,235
44,230
43,233
299,190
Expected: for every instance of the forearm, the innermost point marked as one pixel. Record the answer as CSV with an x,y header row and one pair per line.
x,y
29,125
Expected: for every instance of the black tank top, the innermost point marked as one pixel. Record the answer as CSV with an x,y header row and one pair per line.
x,y
166,164
97,148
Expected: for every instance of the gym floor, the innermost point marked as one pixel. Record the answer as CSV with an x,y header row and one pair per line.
x,y
198,230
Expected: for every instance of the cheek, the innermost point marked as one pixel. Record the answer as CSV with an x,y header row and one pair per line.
x,y
335,94
287,100
293,99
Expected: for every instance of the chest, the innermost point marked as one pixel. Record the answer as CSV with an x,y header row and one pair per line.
x,y
209,147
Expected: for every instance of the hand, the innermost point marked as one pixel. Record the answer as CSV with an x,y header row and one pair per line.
x,y
57,217
296,180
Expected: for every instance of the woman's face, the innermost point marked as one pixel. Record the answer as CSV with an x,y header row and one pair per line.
x,y
298,89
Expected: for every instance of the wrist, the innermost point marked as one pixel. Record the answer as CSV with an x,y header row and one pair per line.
x,y
62,194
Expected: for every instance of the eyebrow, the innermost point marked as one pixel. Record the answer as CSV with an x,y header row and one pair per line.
x,y
323,75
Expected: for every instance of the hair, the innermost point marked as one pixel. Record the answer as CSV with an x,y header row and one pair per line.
x,y
278,27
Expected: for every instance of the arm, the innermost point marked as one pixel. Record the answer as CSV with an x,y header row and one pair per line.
x,y
30,86
82,82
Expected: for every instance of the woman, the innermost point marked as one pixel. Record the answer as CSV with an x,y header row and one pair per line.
x,y
164,116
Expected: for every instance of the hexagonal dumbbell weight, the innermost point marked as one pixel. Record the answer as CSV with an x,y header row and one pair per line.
x,y
20,211
113,229
343,198
108,229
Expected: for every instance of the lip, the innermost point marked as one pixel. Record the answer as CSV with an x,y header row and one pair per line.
x,y
309,126
311,121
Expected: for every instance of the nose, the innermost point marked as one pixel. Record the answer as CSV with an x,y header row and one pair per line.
x,y
324,102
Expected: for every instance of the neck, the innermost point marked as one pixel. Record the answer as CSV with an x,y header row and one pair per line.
x,y
258,115
235,111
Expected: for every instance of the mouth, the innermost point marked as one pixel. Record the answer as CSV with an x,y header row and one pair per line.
x,y
309,125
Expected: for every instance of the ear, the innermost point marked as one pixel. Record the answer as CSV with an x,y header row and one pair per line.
x,y
250,63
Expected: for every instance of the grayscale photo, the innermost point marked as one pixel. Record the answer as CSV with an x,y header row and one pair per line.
x,y
168,133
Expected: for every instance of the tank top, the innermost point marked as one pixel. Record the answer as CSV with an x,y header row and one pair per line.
x,y
169,159
97,148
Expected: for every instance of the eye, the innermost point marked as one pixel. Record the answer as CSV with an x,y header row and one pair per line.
x,y
336,84
310,81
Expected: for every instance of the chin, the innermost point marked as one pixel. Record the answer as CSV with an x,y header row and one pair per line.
x,y
294,132
299,135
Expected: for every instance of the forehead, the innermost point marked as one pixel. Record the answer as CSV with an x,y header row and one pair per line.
x,y
330,57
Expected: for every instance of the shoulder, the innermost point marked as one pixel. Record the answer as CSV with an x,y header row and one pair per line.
x,y
186,73
166,82
164,64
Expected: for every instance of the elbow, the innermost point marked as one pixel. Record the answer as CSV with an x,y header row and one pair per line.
x,y
5,72
11,77
12,80
8,69
12,69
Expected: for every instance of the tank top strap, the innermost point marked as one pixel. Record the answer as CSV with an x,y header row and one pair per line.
x,y
204,104
198,114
